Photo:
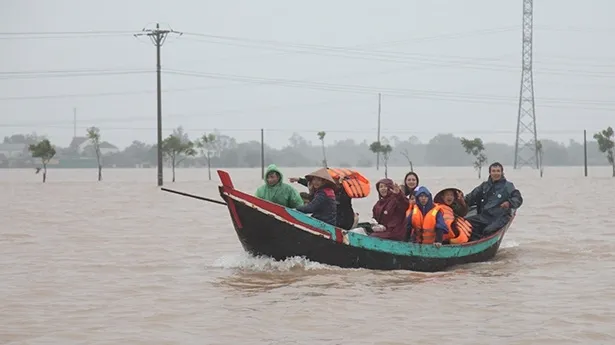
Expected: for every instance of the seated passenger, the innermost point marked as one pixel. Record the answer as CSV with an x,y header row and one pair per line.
x,y
425,220
390,211
411,181
306,197
323,205
276,191
453,206
494,200
345,213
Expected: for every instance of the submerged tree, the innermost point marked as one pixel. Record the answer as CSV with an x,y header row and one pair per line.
x,y
93,135
539,152
606,144
45,152
321,137
378,148
476,148
177,148
207,144
407,155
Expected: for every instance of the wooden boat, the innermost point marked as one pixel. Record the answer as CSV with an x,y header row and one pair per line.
x,y
279,232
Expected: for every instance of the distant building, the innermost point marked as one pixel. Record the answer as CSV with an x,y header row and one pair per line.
x,y
81,144
12,150
78,144
108,148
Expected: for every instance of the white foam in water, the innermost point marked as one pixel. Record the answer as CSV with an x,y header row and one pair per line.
x,y
246,261
509,244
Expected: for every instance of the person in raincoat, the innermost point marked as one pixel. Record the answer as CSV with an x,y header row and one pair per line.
x,y
495,200
323,205
276,191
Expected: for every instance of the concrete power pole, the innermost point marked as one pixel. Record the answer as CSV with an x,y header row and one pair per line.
x,y
526,143
158,37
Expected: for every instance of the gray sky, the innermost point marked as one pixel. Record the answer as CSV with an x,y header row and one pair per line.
x,y
454,65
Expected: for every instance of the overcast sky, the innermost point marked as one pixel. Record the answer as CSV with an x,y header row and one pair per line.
x,y
441,65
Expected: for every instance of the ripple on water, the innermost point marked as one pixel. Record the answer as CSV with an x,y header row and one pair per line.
x,y
119,262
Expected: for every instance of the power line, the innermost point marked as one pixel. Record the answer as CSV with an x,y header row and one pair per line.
x,y
406,93
369,131
71,75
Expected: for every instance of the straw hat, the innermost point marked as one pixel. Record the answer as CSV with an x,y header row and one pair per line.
x,y
440,195
321,173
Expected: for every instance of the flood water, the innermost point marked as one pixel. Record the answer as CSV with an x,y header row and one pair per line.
x,y
120,262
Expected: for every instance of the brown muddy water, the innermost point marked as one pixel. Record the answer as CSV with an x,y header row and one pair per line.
x,y
120,262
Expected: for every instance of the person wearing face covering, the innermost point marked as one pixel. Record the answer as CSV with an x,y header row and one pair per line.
x,y
494,200
390,211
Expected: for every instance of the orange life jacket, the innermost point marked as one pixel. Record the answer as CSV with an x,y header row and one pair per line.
x,y
424,228
459,229
355,184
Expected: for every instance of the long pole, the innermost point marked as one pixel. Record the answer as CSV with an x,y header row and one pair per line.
x,y
158,38
378,139
262,153
585,150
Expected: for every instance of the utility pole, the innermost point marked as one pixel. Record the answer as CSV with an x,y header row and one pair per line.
x,y
74,122
158,37
526,142
378,139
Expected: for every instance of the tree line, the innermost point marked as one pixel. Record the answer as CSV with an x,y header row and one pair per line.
x,y
222,151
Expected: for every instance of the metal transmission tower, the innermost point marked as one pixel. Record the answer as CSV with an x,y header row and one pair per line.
x,y
158,37
526,151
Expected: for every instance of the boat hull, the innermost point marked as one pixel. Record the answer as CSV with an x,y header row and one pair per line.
x,y
271,230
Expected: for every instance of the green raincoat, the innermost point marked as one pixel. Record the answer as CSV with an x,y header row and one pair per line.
x,y
281,193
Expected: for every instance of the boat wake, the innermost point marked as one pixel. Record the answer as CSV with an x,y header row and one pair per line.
x,y
245,261
509,244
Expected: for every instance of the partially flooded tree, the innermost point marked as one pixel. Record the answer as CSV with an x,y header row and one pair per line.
x,y
93,134
539,152
321,137
385,150
45,152
208,146
606,144
476,148
176,148
407,155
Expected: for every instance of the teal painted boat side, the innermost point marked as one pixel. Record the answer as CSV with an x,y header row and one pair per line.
x,y
397,247
414,249
304,218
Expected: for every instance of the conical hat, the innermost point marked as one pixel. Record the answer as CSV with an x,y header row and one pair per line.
x,y
440,194
321,173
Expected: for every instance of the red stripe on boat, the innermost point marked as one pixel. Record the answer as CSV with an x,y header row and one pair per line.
x,y
276,209
339,236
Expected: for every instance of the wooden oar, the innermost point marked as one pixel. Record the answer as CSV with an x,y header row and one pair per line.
x,y
194,196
